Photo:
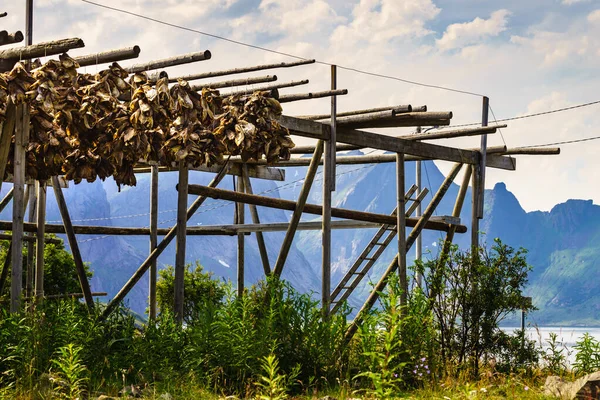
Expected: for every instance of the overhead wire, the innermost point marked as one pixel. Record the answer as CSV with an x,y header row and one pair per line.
x,y
253,46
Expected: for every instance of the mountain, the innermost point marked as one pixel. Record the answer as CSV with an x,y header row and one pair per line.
x,y
562,243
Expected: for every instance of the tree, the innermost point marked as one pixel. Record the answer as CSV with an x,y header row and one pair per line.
x,y
470,294
60,276
199,288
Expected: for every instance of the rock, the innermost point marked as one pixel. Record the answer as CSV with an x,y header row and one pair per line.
x,y
586,388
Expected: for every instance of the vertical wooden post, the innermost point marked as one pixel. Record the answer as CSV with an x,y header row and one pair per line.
x,y
328,187
21,137
153,240
401,227
301,202
483,151
182,197
475,182
29,280
41,230
29,22
8,128
240,208
66,218
262,247
419,242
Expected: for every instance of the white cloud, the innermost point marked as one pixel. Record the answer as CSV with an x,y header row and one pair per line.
x,y
594,16
378,21
460,35
571,2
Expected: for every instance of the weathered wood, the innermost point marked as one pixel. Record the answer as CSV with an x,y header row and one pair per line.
x,y
444,134
170,62
21,137
389,119
460,199
41,241
9,57
234,71
401,228
254,171
262,247
282,226
416,231
3,14
299,208
288,98
398,109
475,181
330,146
7,236
6,133
74,295
29,275
182,198
137,275
10,38
153,241
483,151
310,208
4,202
110,56
305,128
525,151
235,82
66,218
239,210
267,87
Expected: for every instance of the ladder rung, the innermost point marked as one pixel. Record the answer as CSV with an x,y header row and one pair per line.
x,y
358,273
379,244
347,287
368,259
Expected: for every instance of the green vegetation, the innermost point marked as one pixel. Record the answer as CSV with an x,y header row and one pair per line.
x,y
273,343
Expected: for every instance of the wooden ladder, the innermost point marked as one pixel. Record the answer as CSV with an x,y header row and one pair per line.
x,y
365,261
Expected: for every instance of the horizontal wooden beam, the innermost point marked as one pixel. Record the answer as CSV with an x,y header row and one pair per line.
x,y
3,14
214,74
399,109
9,57
305,128
281,85
312,95
310,208
10,38
4,236
236,82
527,151
390,119
170,62
110,56
254,171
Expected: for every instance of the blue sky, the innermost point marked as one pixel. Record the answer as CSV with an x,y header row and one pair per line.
x,y
527,56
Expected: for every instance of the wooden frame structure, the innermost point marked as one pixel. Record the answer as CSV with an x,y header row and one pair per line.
x,y
333,131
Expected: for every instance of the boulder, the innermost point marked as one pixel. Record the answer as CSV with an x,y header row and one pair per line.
x,y
585,388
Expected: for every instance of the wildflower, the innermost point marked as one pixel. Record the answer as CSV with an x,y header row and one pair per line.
x,y
423,359
420,374
415,372
484,390
526,388
395,375
428,371
427,367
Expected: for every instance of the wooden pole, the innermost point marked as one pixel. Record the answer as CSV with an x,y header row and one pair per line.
x,y
214,74
262,247
239,210
41,241
21,138
9,57
29,22
182,197
313,95
460,199
476,180
137,275
4,202
66,218
381,284
398,109
30,277
331,144
153,240
170,62
6,134
418,244
268,87
484,122
298,210
312,208
236,82
389,119
10,38
110,56
4,14
401,228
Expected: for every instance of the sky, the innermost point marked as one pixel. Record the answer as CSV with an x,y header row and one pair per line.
x,y
526,56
